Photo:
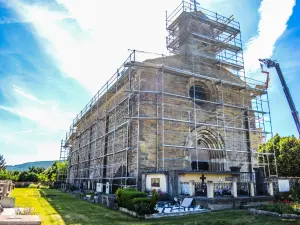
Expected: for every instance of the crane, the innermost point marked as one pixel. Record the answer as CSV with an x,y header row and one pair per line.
x,y
273,63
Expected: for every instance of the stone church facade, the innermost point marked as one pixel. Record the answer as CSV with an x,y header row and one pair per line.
x,y
162,122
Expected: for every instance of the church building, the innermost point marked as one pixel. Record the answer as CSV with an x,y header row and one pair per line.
x,y
175,122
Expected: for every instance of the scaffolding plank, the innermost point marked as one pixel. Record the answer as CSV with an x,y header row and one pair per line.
x,y
215,42
219,62
215,24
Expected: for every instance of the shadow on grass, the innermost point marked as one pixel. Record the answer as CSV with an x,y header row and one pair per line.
x,y
76,211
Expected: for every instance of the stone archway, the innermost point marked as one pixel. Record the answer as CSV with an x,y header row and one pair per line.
x,y
208,153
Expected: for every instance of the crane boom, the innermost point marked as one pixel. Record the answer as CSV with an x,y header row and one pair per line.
x,y
270,64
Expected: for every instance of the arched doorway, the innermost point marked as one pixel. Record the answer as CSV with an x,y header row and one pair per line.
x,y
206,150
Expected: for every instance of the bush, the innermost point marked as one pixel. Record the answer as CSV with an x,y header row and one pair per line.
x,y
142,206
118,195
129,189
295,193
280,196
279,207
131,205
73,188
28,176
292,195
128,196
22,185
136,201
125,195
143,209
38,186
32,186
154,198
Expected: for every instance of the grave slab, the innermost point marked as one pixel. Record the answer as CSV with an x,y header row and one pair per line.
x,y
20,220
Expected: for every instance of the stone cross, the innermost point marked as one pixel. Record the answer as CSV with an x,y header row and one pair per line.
x,y
202,178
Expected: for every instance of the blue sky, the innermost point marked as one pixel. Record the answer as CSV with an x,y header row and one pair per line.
x,y
54,55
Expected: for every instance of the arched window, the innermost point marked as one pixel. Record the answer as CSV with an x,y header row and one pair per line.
x,y
198,93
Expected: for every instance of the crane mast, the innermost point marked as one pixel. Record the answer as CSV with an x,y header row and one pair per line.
x,y
270,64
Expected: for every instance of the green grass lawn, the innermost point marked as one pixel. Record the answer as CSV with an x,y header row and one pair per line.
x,y
60,208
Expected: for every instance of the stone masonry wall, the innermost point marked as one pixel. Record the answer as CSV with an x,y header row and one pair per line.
x,y
104,128
155,135
166,135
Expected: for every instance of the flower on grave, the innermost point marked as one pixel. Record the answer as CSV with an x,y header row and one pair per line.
x,y
287,202
159,192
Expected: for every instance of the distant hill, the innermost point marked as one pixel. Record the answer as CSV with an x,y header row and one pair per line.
x,y
25,166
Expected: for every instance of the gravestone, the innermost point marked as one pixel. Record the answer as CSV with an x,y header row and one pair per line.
x,y
284,185
187,202
99,187
5,190
7,202
20,220
201,188
107,187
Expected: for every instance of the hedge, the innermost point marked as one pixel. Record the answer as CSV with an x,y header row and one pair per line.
x,y
128,196
125,195
131,205
136,201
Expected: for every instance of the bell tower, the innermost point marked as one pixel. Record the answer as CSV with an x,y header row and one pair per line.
x,y
204,35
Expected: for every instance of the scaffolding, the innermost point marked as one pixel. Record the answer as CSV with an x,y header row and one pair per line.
x,y
191,110
63,157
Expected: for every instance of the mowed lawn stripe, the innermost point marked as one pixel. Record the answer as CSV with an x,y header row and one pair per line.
x,y
76,211
30,197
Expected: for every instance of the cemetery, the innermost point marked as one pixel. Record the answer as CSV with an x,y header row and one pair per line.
x,y
90,207
9,215
211,196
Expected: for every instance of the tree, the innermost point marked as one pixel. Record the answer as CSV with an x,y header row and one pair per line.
x,y
2,162
9,175
43,177
23,176
36,170
4,175
287,153
56,169
32,177
28,176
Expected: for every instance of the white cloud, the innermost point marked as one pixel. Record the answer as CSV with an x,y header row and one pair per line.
x,y
32,151
49,117
29,96
95,42
24,131
33,14
8,109
48,150
274,15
